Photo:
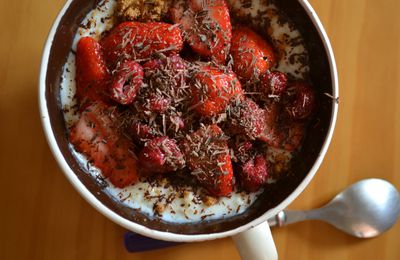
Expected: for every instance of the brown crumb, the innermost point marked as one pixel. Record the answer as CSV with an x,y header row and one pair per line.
x,y
159,208
142,10
278,168
209,201
186,193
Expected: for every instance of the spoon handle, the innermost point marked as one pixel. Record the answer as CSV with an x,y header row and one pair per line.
x,y
287,217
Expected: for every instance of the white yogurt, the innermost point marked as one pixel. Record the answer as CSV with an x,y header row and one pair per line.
x,y
163,200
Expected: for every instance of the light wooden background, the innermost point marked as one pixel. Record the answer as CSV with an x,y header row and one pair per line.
x,y
43,217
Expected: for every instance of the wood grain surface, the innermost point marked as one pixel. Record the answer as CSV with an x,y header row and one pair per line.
x,y
43,217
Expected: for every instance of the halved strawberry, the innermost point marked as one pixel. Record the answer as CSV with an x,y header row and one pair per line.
x,y
94,136
91,72
207,156
206,26
252,55
134,40
213,89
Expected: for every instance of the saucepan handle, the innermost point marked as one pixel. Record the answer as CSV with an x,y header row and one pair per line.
x,y
256,243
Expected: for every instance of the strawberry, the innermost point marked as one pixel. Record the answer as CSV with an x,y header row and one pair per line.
x,y
213,89
134,40
207,156
301,102
91,72
252,55
245,117
254,174
206,26
273,83
161,155
94,136
126,82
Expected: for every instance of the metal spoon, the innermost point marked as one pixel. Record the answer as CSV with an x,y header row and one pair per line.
x,y
365,209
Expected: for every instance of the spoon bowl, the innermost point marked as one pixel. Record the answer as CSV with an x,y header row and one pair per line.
x,y
365,209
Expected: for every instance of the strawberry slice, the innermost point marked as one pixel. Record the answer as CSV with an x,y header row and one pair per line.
x,y
94,136
207,156
252,55
213,89
91,72
206,26
134,40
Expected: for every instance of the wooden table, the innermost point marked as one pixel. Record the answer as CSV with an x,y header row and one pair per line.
x,y
43,217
